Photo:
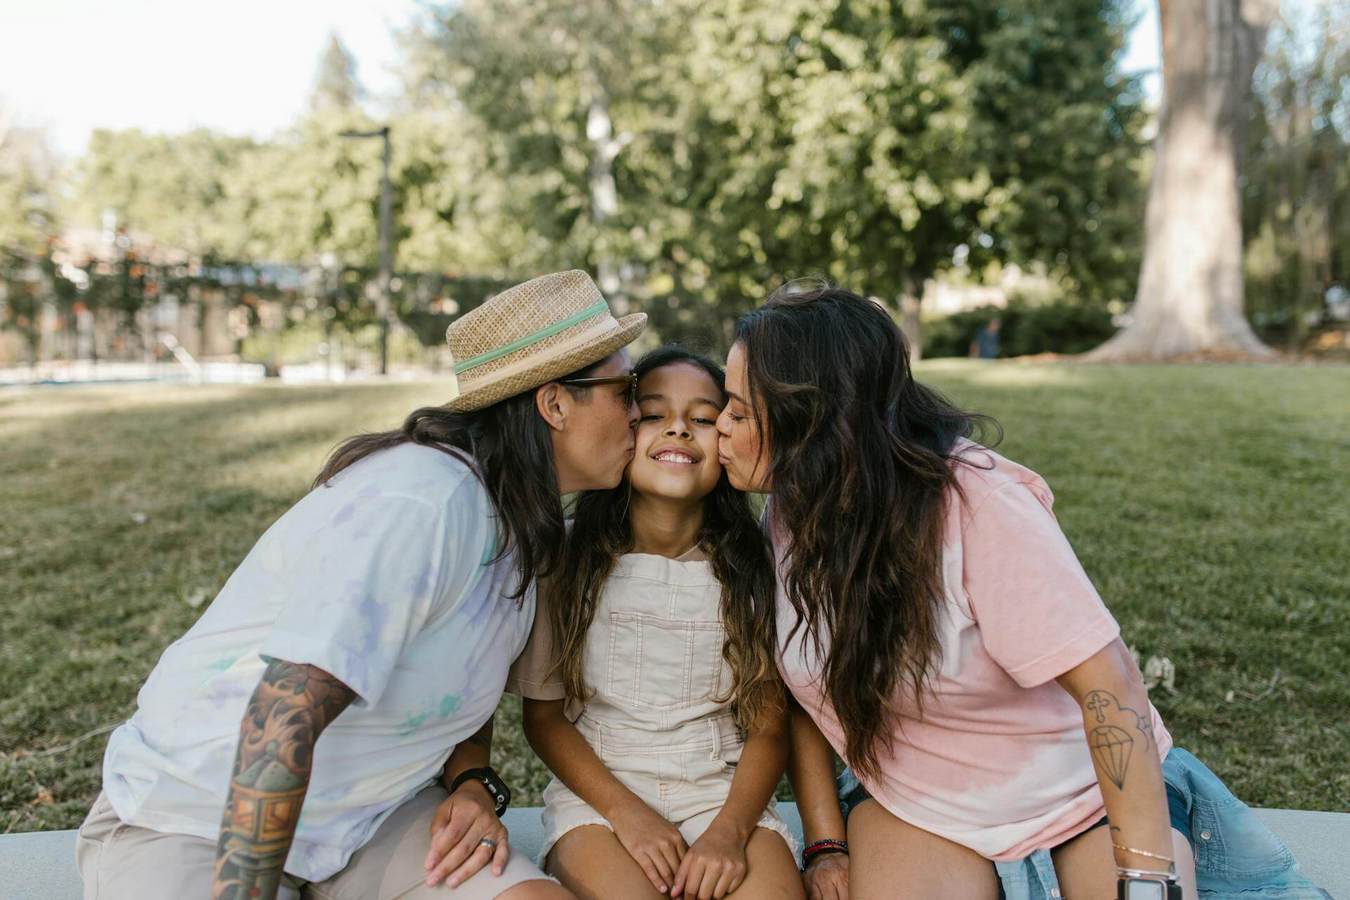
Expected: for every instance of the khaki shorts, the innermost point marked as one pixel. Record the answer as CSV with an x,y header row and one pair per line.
x,y
683,774
125,862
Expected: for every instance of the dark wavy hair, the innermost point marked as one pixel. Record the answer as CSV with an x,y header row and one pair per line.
x,y
736,547
861,464
509,448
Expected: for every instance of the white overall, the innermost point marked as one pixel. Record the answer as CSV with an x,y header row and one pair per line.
x,y
658,717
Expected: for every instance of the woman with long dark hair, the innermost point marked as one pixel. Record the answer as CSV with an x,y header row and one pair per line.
x,y
650,683
935,626
335,700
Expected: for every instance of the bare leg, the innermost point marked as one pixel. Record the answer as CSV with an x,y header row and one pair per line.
x,y
889,858
537,890
1086,866
592,863
771,872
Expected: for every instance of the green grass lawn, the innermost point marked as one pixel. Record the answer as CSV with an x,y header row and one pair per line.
x,y
1210,505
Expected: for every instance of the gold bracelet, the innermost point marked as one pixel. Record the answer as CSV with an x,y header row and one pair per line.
x,y
1167,859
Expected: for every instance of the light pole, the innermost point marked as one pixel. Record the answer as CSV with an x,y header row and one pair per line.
x,y
383,306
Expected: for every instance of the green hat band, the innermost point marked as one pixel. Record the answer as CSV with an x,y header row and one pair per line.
x,y
595,309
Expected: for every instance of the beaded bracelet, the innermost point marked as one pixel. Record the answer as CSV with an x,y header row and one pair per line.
x,y
820,848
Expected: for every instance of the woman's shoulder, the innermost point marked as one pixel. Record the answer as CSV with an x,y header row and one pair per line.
x,y
421,475
982,473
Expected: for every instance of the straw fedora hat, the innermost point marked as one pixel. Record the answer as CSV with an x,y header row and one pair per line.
x,y
532,333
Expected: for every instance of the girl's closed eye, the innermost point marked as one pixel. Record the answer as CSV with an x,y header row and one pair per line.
x,y
693,419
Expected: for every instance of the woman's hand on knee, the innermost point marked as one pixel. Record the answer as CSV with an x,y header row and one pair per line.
x,y
466,835
655,845
714,867
827,877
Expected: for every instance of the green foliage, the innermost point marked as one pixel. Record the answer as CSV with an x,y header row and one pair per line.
x,y
335,84
171,187
1025,329
704,151
309,195
29,201
103,555
1059,130
20,298
428,304
884,137
531,75
874,142
866,141
1297,175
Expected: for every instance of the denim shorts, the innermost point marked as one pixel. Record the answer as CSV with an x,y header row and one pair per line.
x,y
1234,853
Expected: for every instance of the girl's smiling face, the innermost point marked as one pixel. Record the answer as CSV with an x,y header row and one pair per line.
x,y
676,455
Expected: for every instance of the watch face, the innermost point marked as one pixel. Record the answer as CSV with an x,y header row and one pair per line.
x,y
1145,890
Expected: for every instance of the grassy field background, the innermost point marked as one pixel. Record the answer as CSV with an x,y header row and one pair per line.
x,y
1211,505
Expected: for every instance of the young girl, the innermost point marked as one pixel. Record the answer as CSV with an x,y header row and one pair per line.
x,y
650,676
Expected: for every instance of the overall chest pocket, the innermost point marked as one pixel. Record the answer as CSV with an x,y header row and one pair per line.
x,y
662,663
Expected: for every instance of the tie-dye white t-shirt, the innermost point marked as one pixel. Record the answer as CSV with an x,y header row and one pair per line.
x,y
384,579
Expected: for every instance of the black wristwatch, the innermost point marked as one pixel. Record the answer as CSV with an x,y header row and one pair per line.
x,y
1147,886
496,788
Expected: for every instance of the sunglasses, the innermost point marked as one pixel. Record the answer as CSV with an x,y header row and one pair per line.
x,y
631,379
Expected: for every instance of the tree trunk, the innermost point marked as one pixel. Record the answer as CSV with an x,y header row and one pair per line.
x,y
1190,296
604,194
910,304
199,303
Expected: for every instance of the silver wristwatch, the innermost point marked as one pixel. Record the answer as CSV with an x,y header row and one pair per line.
x,y
1136,884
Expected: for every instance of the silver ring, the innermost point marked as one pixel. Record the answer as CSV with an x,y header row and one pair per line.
x,y
488,843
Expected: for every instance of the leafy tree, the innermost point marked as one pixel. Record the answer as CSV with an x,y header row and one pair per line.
x,y
873,143
173,187
749,141
29,174
308,194
560,90
1296,193
335,83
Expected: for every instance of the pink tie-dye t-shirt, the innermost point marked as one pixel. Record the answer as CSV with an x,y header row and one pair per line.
x,y
998,762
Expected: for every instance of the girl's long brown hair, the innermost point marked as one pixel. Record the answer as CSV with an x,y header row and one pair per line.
x,y
509,448
736,547
861,464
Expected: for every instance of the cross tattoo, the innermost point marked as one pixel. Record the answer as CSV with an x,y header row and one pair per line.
x,y
1097,701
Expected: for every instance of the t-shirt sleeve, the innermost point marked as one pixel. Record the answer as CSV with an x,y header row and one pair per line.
x,y
1037,611
362,578
532,675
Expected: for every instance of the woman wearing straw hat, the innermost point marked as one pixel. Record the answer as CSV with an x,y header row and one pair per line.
x,y
381,612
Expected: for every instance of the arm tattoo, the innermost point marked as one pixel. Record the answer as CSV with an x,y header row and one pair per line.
x,y
288,710
1110,743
